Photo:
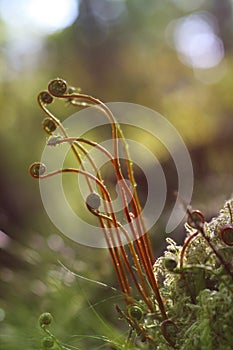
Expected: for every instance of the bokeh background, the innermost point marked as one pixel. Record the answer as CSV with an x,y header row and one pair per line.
x,y
173,56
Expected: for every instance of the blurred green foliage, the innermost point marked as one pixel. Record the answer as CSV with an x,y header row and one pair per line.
x,y
129,60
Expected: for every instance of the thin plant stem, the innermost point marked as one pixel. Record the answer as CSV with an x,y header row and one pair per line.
x,y
113,251
138,242
140,236
142,289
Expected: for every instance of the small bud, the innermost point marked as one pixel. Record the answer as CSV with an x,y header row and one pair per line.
x,y
135,312
53,140
71,90
47,342
170,263
45,97
57,87
45,319
195,219
226,235
37,169
93,201
49,125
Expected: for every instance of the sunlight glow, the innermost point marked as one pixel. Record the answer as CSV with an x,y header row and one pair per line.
x,y
197,43
52,14
44,16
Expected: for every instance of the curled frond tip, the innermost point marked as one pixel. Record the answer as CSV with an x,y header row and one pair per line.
x,y
49,125
45,97
37,169
93,201
57,87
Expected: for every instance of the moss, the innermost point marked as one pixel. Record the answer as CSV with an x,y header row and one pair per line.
x,y
199,291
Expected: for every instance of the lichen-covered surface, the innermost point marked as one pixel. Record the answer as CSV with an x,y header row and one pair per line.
x,y
197,285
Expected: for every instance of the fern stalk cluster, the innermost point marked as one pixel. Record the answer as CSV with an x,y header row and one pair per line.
x,y
183,300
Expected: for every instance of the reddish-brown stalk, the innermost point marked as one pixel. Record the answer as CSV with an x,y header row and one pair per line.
x,y
196,220
185,245
139,234
142,287
112,246
136,205
141,239
123,277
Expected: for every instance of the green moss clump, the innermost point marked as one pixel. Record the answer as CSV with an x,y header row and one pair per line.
x,y
199,290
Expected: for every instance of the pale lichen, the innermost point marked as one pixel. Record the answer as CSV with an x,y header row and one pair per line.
x,y
199,289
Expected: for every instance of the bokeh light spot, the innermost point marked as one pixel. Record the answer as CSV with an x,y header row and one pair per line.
x,y
55,242
44,16
196,42
2,315
108,10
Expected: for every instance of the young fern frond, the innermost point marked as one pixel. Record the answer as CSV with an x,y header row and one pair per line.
x,y
167,301
132,272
